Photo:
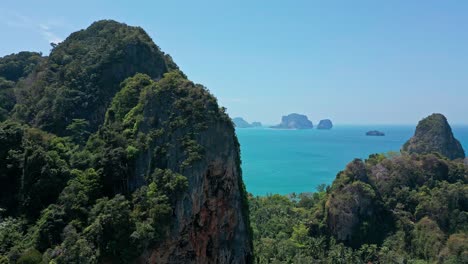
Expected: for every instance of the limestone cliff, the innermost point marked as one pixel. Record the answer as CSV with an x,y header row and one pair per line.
x,y
294,121
82,74
149,171
190,135
325,124
434,134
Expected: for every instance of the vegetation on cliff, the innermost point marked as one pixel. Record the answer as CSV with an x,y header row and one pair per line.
x,y
99,148
108,151
82,74
13,68
434,135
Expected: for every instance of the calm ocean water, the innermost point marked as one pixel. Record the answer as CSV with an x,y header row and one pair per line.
x,y
286,161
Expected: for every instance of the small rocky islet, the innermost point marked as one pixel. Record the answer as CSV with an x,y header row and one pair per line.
x,y
325,124
375,133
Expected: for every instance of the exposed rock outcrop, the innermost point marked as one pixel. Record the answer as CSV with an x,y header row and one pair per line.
x,y
353,203
325,124
160,150
434,134
294,121
188,134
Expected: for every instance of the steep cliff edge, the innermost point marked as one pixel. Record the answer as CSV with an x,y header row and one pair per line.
x,y
434,134
149,170
186,132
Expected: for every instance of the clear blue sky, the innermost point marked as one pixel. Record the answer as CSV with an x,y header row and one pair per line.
x,y
390,62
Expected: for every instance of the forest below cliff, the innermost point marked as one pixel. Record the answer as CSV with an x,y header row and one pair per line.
x,y
405,207
110,154
386,209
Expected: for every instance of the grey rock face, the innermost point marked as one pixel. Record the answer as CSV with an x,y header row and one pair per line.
x,y
210,222
434,134
294,121
325,124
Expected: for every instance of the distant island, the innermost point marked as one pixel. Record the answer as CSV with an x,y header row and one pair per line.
x,y
375,133
239,122
294,121
256,124
325,124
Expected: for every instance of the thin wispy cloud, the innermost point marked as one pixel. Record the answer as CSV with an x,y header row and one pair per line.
x,y
46,32
46,29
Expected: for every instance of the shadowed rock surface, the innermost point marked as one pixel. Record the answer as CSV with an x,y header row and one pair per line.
x,y
325,124
294,121
434,134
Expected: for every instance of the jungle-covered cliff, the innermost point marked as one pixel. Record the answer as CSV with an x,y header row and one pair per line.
x,y
111,155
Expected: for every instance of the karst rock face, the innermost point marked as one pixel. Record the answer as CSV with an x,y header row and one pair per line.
x,y
210,223
187,133
82,74
325,124
434,134
294,121
114,78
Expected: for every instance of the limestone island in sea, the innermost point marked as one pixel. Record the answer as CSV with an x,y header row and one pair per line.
x,y
239,122
325,124
294,121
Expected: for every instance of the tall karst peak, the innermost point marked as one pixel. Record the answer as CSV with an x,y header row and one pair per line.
x,y
434,134
84,72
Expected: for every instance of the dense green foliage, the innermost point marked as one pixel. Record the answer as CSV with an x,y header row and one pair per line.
x,y
99,140
64,212
13,68
388,209
96,189
83,73
16,66
59,189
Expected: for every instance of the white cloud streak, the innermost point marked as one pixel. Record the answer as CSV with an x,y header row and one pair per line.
x,y
46,29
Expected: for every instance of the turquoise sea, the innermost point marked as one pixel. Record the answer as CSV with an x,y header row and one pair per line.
x,y
286,161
